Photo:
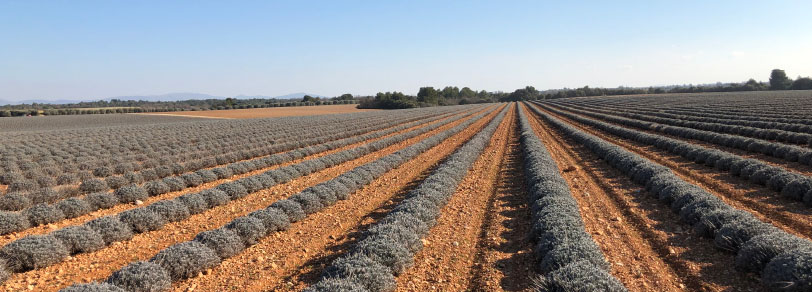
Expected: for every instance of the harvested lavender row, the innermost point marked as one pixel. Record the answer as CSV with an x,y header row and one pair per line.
x,y
389,246
716,125
791,153
705,118
783,260
565,254
29,176
789,184
39,214
38,251
209,248
188,172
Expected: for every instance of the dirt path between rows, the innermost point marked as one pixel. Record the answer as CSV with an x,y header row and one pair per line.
x,y
646,245
504,260
461,223
291,259
769,206
42,229
99,265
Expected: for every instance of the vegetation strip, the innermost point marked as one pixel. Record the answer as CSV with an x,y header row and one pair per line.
x,y
37,251
184,260
789,184
75,207
784,261
791,153
389,246
566,255
765,132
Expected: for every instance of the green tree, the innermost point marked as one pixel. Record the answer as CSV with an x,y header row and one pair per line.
x,y
308,98
466,92
428,95
802,83
450,92
753,85
346,96
779,80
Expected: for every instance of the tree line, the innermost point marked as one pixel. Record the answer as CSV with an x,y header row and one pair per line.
x,y
449,95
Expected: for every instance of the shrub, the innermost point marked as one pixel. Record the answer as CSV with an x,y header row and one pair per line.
x,y
797,188
790,271
102,200
79,239
141,220
310,202
571,252
102,171
111,229
234,190
250,229
74,207
399,233
115,182
291,208
579,276
12,222
131,193
93,185
215,197
141,277
174,183
194,202
46,195
14,202
192,179
22,186
169,210
185,260
223,241
43,214
272,218
362,269
738,231
337,284
764,174
206,175
761,249
156,187
250,184
92,287
33,252
222,172
385,251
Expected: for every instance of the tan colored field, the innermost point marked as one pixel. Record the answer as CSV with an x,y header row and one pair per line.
x,y
273,112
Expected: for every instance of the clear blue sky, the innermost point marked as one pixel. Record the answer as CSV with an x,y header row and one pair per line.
x,y
98,49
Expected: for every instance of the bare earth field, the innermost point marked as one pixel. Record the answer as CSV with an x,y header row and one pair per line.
x,y
273,112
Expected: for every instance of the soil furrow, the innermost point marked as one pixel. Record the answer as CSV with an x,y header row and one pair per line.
x,y
294,258
100,264
769,206
504,260
646,245
460,223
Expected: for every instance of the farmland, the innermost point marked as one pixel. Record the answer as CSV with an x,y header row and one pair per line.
x,y
672,192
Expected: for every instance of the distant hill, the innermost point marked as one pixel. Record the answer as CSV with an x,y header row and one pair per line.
x,y
163,97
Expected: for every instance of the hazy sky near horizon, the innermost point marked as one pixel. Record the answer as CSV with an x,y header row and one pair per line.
x,y
98,49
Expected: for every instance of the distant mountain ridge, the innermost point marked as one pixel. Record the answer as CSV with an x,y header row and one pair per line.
x,y
163,97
